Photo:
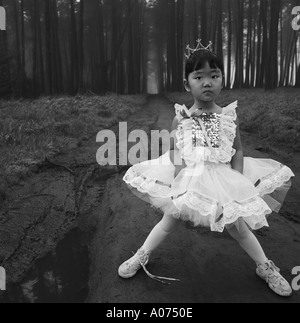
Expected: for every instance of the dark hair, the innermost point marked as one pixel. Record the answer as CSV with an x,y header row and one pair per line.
x,y
198,60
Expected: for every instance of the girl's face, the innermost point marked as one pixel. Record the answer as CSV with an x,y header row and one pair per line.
x,y
205,84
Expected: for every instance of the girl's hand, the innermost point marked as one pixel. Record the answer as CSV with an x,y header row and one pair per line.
x,y
175,156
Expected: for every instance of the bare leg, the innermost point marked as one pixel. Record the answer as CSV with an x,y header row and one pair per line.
x,y
160,232
248,242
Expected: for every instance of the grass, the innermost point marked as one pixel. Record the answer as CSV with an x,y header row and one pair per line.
x,y
33,130
274,116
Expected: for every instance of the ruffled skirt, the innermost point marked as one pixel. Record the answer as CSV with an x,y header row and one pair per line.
x,y
212,195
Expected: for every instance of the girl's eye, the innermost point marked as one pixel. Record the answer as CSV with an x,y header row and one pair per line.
x,y
215,76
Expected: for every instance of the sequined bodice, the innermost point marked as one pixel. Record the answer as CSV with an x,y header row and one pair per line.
x,y
212,122
220,130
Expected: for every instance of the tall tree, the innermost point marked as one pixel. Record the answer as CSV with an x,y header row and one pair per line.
x,y
249,45
272,66
229,45
131,53
23,73
56,49
54,83
18,86
74,51
265,40
253,44
171,46
203,19
81,44
48,49
34,17
219,29
298,77
180,6
258,81
239,50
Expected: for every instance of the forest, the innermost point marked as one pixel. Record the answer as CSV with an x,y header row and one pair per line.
x,y
53,47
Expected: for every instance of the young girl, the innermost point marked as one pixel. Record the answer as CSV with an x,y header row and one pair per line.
x,y
206,180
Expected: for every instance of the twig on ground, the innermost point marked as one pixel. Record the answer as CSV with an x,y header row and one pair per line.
x,y
59,165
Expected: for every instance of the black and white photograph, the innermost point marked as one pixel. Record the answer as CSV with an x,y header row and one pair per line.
x,y
149,154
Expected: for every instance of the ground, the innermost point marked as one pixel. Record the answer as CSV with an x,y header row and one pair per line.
x,y
211,267
73,191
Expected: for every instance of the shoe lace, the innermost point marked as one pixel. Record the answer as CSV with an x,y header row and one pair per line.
x,y
274,274
163,280
273,266
138,259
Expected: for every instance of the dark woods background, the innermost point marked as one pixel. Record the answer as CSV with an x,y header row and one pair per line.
x,y
132,46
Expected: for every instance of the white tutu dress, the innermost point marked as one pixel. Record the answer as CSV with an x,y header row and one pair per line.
x,y
208,192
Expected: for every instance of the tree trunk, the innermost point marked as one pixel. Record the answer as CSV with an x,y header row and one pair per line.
x,y
23,71
249,45
73,51
219,30
179,45
48,47
171,47
80,45
56,49
214,22
195,25
272,75
131,59
228,85
288,59
258,49
265,47
253,48
203,17
40,50
18,84
35,82
239,58
298,77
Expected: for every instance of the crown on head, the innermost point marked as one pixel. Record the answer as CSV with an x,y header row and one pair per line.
x,y
191,51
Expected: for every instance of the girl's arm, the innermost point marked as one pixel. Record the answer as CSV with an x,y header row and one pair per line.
x,y
174,151
237,162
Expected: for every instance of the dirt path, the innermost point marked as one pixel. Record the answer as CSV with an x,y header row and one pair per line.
x,y
74,192
211,267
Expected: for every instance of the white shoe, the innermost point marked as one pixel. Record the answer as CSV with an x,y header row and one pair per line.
x,y
270,273
130,267
140,260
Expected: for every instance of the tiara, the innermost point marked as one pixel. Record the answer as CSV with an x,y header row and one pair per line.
x,y
191,51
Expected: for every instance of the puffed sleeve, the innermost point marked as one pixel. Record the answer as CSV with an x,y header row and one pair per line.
x,y
231,110
181,112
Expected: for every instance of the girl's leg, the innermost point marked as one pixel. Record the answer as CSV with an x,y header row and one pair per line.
x,y
160,232
266,269
248,242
